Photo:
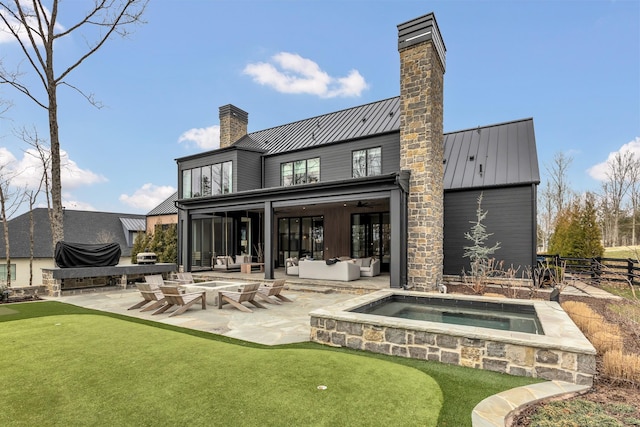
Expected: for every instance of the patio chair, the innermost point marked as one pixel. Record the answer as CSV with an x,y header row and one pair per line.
x,y
184,278
267,290
150,294
173,297
154,279
246,293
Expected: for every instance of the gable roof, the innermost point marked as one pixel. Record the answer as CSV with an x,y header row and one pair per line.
x,y
506,151
79,227
344,125
167,207
494,155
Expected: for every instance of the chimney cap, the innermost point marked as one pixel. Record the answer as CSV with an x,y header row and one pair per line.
x,y
419,30
232,110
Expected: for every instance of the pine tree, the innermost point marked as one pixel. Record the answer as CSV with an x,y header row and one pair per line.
x,y
479,253
577,233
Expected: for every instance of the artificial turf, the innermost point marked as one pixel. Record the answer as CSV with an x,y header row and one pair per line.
x,y
73,366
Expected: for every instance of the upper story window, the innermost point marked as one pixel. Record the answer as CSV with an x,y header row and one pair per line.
x,y
366,162
300,172
207,180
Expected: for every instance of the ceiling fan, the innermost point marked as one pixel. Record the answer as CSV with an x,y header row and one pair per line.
x,y
362,204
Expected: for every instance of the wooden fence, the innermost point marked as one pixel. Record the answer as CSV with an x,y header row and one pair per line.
x,y
597,269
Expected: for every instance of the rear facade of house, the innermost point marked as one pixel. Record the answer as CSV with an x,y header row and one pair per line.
x,y
378,180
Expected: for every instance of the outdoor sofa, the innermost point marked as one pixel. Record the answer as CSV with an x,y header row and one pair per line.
x,y
342,270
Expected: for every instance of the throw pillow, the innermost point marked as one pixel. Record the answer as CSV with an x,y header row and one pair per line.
x,y
366,262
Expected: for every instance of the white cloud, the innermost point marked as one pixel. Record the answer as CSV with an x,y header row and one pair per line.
x,y
27,171
6,35
599,171
204,138
148,196
295,74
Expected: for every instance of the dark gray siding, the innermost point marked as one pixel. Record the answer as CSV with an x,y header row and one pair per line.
x,y
510,219
248,171
335,159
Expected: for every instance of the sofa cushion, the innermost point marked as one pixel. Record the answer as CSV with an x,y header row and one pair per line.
x,y
366,262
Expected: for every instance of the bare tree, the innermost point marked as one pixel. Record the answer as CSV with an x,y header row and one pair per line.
x,y
10,201
44,155
105,236
634,192
616,188
556,195
35,28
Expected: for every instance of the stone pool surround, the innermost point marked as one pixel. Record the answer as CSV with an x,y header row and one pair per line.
x,y
563,353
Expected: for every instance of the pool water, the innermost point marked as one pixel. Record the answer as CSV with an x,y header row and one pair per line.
x,y
505,317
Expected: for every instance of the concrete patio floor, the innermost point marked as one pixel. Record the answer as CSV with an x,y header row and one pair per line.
x,y
278,324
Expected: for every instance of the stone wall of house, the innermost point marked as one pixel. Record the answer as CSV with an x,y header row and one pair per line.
x,y
473,353
422,153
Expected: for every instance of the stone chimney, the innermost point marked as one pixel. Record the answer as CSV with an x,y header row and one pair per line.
x,y
422,67
233,124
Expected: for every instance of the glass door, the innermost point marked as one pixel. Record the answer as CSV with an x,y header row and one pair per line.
x,y
201,243
300,237
371,236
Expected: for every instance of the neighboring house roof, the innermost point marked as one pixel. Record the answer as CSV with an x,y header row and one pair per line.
x,y
79,227
353,123
168,207
490,156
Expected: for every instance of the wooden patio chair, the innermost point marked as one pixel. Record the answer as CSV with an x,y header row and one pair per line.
x,y
150,294
245,294
267,290
155,280
173,297
184,278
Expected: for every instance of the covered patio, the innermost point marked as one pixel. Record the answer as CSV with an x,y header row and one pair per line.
x,y
355,218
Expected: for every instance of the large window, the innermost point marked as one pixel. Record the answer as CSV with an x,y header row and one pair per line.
x,y
300,172
366,162
208,180
371,236
3,272
300,237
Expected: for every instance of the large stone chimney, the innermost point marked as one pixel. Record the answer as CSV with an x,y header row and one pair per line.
x,y
422,67
233,124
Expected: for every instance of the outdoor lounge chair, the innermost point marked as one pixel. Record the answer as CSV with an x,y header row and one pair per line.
x,y
172,296
150,294
267,290
246,293
154,279
184,278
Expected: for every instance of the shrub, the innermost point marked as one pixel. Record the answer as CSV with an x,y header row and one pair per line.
x,y
616,364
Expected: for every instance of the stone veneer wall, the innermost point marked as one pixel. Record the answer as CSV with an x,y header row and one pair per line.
x,y
474,353
233,124
54,287
422,152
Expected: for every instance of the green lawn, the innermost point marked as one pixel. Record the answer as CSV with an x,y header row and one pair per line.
x,y
622,252
66,365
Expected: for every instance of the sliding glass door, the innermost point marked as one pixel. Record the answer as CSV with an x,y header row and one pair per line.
x,y
371,236
300,237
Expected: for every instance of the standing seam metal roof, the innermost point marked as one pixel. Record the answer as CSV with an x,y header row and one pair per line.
x,y
494,155
353,123
503,153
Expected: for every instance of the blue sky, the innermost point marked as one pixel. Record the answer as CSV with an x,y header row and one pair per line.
x,y
574,66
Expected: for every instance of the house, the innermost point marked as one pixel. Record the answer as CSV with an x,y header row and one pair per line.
x,y
380,179
164,214
79,227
